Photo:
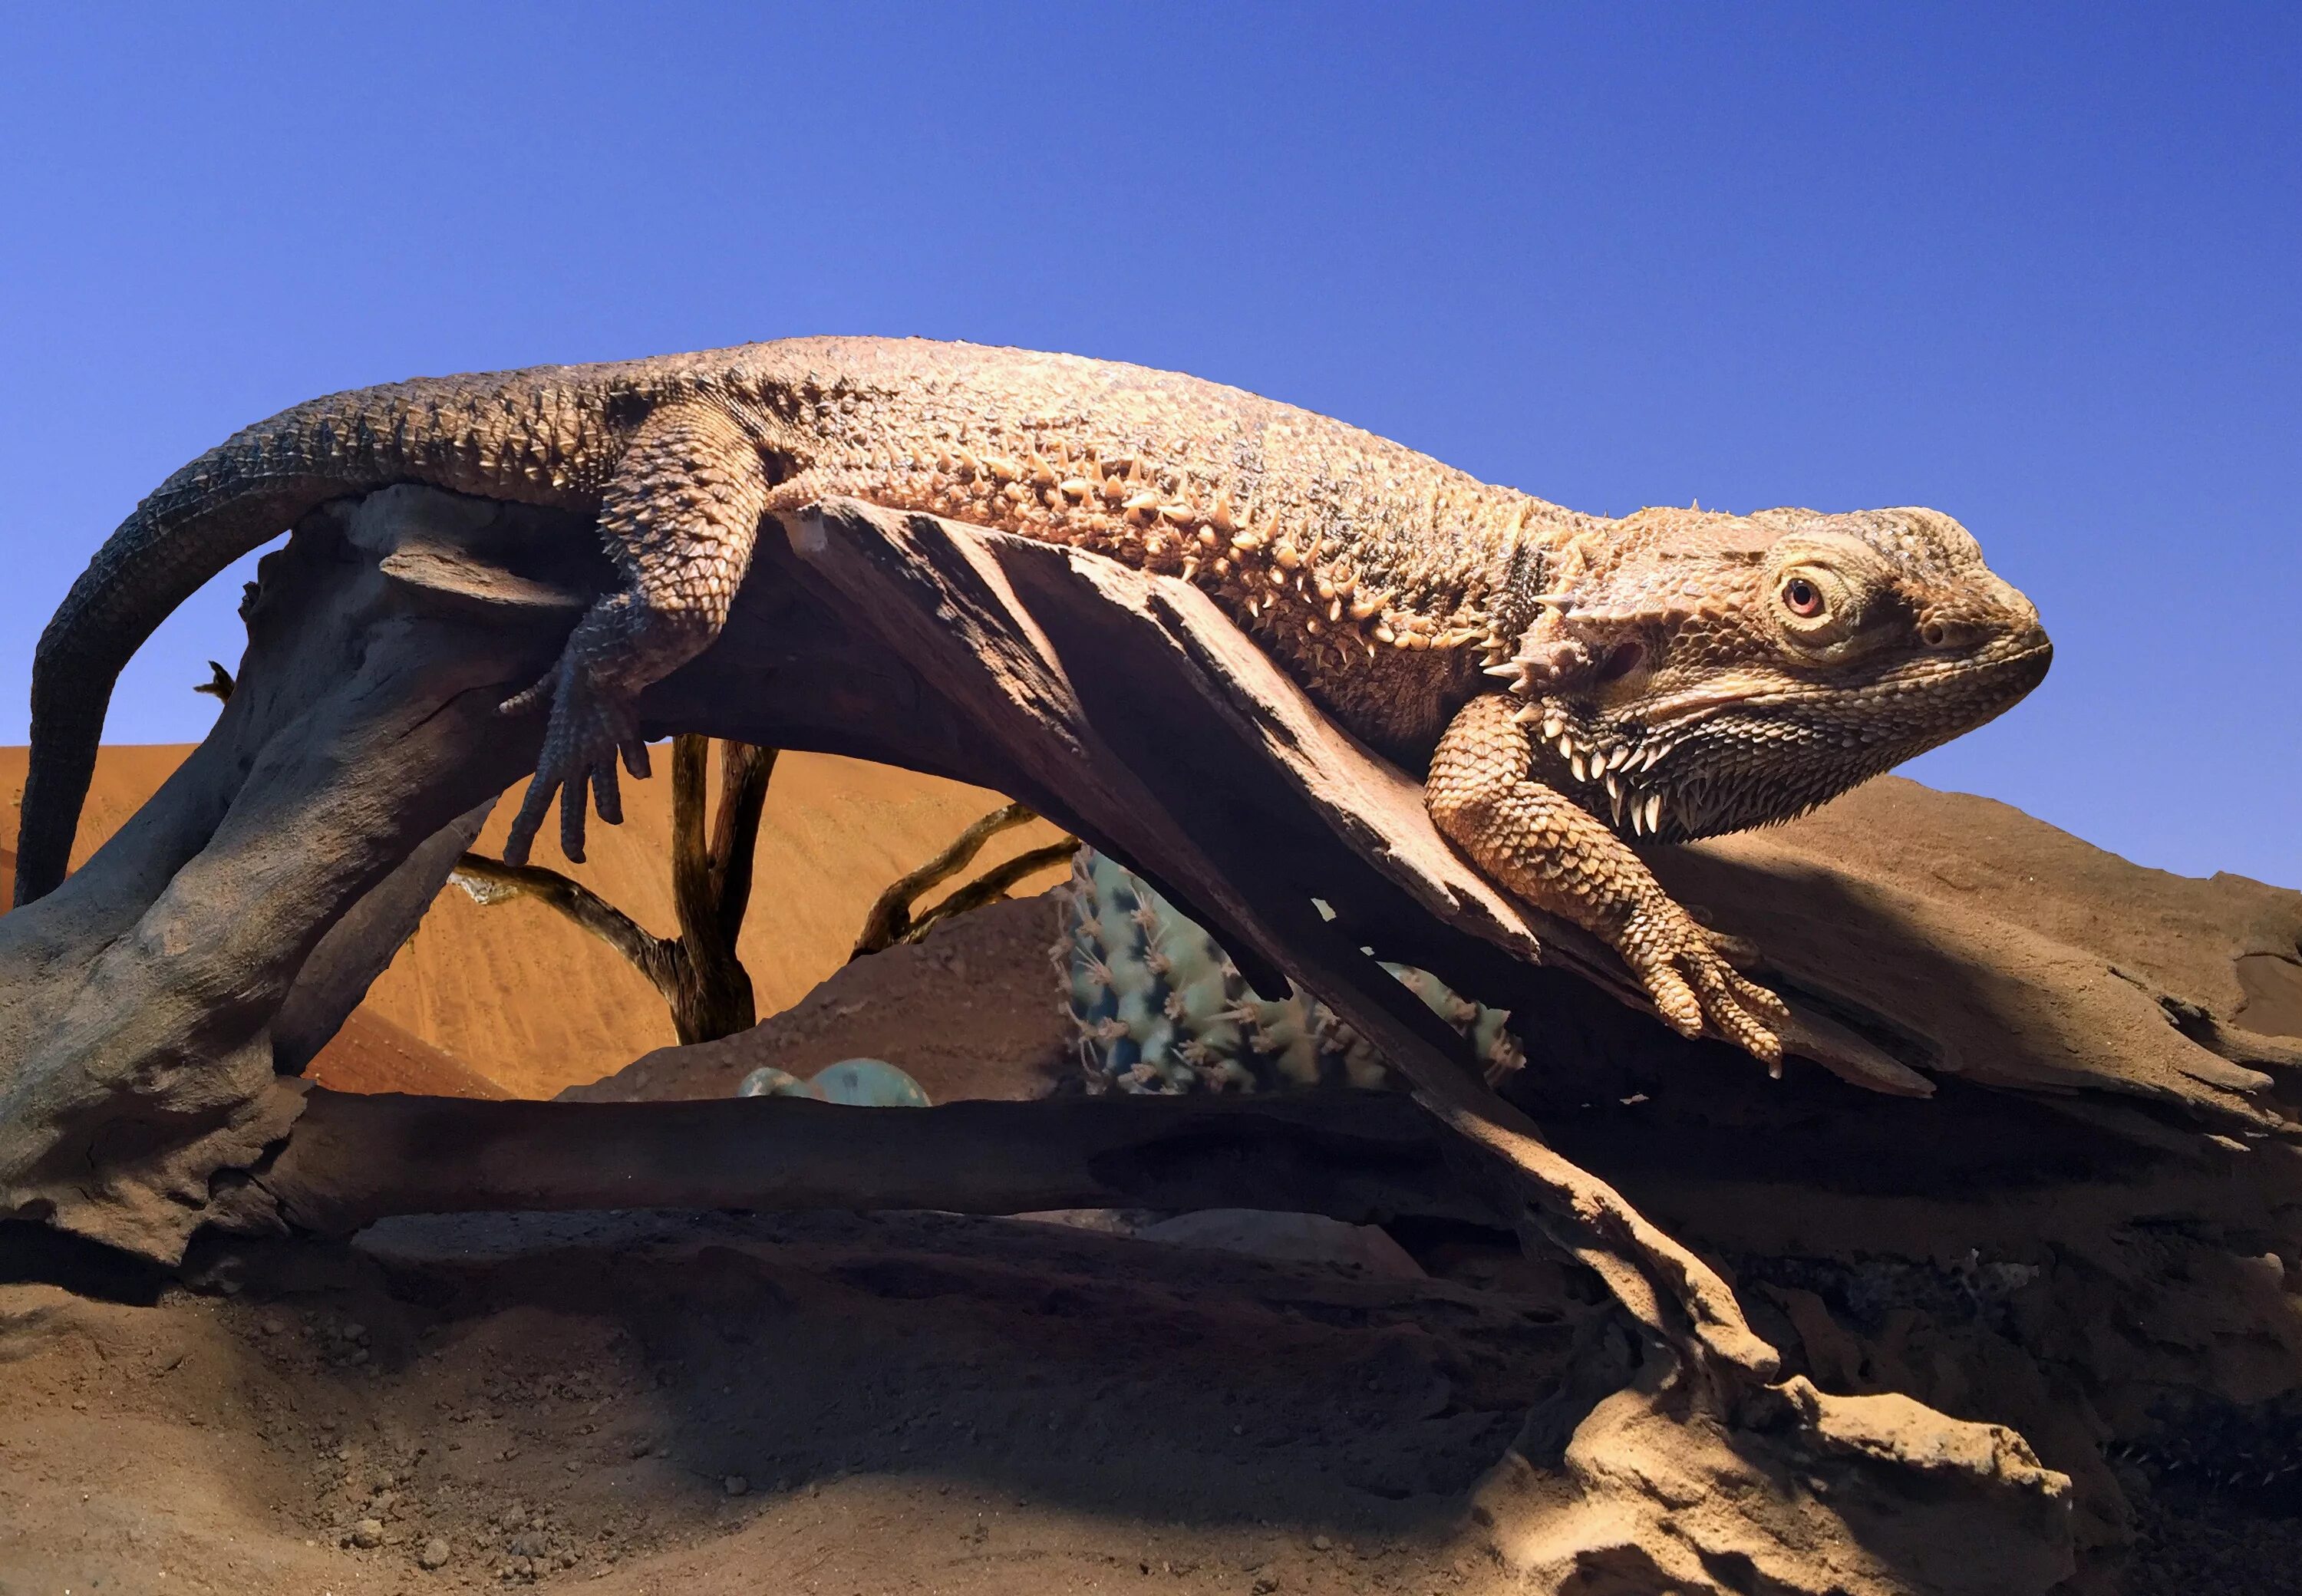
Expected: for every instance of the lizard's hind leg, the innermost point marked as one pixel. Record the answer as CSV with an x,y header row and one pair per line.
x,y
679,516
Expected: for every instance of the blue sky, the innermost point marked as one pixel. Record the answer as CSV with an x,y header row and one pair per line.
x,y
2038,266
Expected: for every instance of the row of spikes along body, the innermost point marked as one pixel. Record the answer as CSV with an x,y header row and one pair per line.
x,y
1114,505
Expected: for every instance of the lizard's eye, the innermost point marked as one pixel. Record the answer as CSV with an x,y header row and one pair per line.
x,y
1820,607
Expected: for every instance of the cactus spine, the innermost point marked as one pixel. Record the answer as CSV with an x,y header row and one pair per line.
x,y
1160,1007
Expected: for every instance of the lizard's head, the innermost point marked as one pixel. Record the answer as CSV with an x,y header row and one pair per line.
x,y
1688,674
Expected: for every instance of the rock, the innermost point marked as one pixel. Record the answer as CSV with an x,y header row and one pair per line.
x,y
735,1484
434,1554
859,1082
866,1083
367,1532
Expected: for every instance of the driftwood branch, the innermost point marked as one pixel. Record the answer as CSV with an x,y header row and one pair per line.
x,y
711,992
1363,1157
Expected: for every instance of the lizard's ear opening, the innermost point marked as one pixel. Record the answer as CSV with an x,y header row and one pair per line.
x,y
1621,660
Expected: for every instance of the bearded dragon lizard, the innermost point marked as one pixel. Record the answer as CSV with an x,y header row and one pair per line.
x,y
1571,684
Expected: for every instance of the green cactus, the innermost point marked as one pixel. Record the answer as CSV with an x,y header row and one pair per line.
x,y
1160,1007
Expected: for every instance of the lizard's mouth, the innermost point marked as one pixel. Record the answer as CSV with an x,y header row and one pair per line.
x,y
1728,757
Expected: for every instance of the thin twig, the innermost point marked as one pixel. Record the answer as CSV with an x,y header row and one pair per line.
x,y
492,881
745,769
890,920
992,885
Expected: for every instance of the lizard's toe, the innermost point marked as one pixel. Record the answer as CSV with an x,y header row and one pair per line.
x,y
1686,973
1740,952
591,728
537,693
1751,1016
1674,999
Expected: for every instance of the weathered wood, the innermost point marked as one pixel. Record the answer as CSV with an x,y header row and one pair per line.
x,y
146,1004
1363,1157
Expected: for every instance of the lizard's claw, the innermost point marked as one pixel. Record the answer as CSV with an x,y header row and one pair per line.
x,y
590,726
1686,970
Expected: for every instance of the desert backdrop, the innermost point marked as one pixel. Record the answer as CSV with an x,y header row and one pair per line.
x,y
512,1000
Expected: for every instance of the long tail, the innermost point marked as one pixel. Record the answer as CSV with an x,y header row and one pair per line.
x,y
160,555
518,435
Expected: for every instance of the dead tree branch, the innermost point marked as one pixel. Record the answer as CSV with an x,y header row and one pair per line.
x,y
891,920
699,973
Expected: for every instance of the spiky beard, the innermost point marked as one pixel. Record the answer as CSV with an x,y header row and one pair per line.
x,y
1763,762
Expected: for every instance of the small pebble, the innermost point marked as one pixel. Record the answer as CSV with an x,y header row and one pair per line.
x,y
434,1554
367,1532
273,1324
1321,1543
735,1484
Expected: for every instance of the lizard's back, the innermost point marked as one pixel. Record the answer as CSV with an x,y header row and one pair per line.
x,y
1364,568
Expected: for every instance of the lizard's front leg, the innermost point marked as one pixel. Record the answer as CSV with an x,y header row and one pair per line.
x,y
1552,853
679,515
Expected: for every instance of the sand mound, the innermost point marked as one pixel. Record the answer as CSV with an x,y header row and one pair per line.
x,y
372,1054
972,1012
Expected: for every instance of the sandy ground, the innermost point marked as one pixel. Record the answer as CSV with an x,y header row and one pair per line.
x,y
719,1405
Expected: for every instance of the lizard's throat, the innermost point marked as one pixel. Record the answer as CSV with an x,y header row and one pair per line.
x,y
1761,759
1727,774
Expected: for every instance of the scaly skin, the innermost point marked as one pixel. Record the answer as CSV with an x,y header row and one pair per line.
x,y
1664,658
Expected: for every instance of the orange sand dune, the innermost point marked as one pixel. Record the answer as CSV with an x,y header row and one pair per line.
x,y
517,995
372,1054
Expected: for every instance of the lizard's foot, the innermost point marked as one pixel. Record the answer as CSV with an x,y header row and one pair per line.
x,y
1545,848
591,725
1686,970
